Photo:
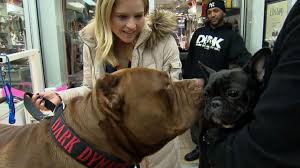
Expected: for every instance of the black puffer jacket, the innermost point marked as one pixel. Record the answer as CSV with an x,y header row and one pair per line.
x,y
272,140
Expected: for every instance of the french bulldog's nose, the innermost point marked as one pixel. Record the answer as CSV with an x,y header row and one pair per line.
x,y
216,104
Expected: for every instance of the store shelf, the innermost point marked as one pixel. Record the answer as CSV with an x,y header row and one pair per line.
x,y
16,56
233,11
35,65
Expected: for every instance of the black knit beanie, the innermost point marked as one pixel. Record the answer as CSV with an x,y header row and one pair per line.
x,y
217,3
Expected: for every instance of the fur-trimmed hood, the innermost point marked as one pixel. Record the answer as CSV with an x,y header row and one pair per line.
x,y
159,24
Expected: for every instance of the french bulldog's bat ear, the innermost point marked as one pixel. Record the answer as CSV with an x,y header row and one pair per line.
x,y
208,69
256,65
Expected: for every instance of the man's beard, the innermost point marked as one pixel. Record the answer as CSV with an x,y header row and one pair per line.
x,y
219,23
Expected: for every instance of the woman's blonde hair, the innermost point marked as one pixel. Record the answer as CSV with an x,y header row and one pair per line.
x,y
103,32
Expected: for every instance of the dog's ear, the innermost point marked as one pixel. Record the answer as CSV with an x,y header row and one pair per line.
x,y
256,65
107,83
108,94
207,69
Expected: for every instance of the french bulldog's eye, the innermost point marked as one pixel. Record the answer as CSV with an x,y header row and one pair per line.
x,y
233,93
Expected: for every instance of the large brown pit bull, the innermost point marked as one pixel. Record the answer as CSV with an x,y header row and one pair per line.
x,y
129,114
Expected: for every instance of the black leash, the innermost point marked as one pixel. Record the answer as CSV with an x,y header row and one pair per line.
x,y
33,110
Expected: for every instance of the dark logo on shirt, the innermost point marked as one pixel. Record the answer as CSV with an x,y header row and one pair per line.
x,y
209,42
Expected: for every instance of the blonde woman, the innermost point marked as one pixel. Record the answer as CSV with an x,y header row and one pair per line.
x,y
122,36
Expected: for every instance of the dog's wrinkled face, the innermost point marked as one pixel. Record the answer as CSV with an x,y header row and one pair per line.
x,y
231,95
151,108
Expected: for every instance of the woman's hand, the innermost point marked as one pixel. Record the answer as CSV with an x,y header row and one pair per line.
x,y
52,96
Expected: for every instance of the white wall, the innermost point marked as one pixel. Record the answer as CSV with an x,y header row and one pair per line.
x,y
254,25
33,42
291,3
151,5
52,42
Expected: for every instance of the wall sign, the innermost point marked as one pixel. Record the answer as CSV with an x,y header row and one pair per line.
x,y
275,16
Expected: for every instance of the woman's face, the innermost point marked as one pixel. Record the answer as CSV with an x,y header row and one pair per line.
x,y
127,19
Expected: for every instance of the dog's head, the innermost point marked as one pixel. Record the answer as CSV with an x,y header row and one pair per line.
x,y
232,94
145,108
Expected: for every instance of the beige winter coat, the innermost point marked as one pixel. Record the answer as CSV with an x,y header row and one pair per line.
x,y
156,48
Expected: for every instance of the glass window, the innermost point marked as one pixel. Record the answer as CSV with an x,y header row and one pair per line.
x,y
15,80
22,71
78,13
17,74
12,26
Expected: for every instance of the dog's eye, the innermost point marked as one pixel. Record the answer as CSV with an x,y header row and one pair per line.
x,y
233,93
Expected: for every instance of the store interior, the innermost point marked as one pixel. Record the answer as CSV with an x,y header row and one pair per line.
x,y
76,14
27,71
12,27
13,40
190,16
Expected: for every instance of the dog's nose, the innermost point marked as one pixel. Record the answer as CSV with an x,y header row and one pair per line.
x,y
216,104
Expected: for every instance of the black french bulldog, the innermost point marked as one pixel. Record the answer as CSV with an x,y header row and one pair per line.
x,y
231,95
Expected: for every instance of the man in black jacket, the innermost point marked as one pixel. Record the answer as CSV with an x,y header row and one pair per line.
x,y
217,46
272,139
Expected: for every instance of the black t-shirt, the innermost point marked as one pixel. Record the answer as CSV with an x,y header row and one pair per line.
x,y
110,69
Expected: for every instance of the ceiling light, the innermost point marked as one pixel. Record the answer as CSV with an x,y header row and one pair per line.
x,y
90,2
75,6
